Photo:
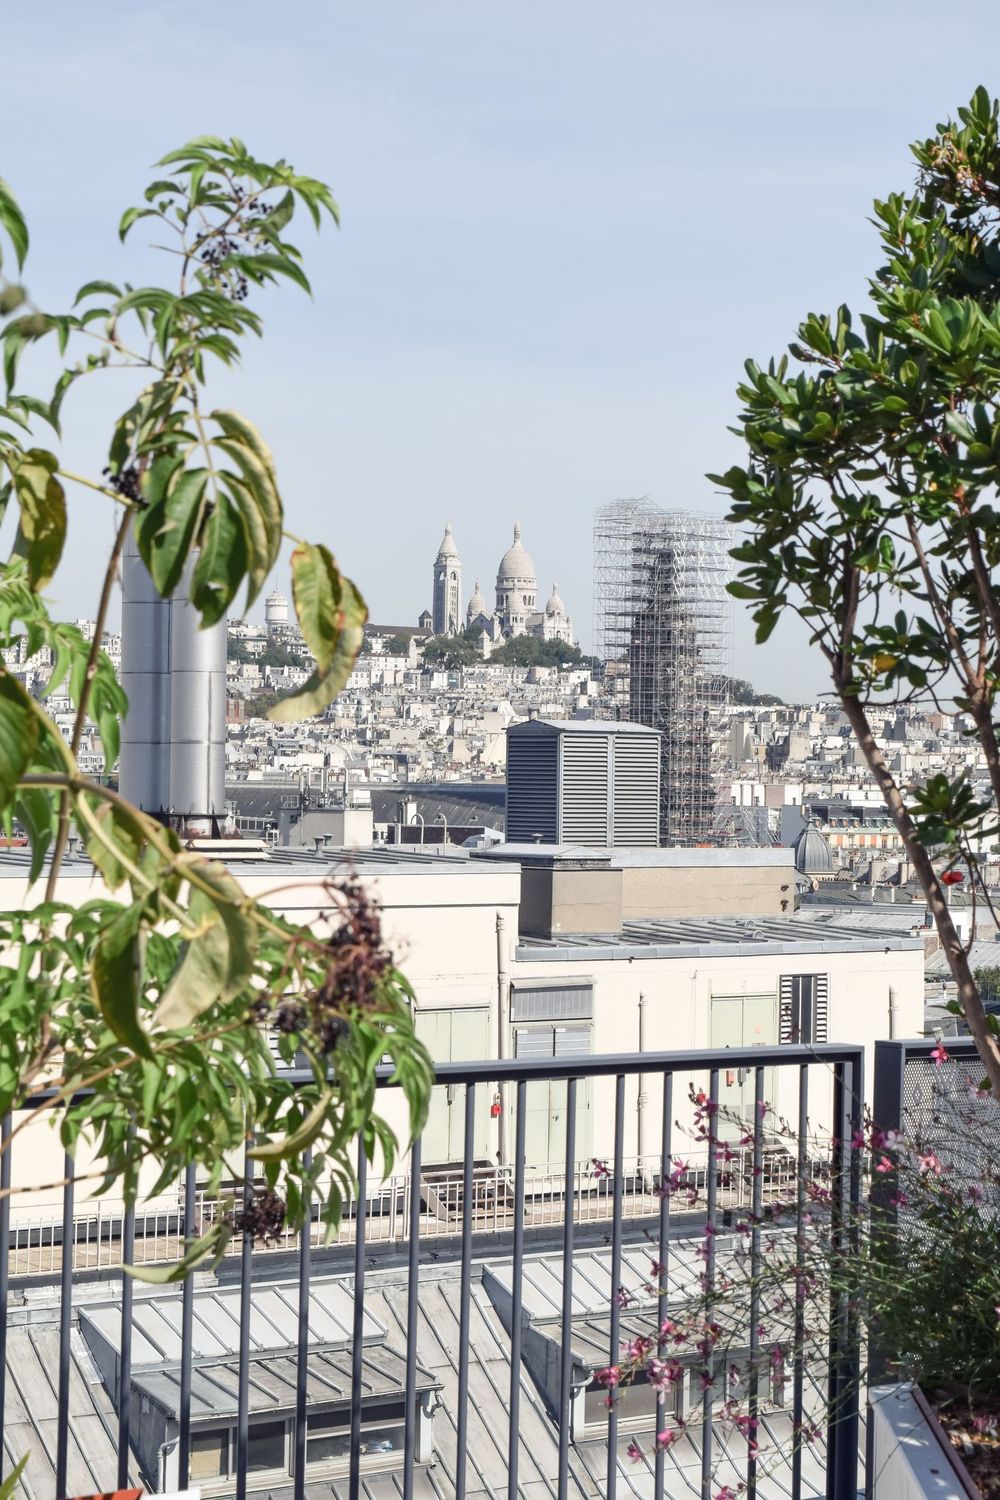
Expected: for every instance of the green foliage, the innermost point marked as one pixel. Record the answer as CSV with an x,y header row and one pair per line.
x,y
147,1010
739,691
526,651
451,652
868,500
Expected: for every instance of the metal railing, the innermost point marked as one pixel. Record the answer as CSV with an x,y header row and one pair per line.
x,y
620,1190
36,1239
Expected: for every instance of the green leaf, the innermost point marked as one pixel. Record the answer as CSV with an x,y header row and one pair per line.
x,y
301,1138
35,810
132,216
43,514
123,831
211,1246
325,683
219,962
19,729
317,587
222,562
116,978
169,527
10,1482
12,220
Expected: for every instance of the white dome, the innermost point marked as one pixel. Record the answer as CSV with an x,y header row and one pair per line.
x,y
555,605
447,547
516,564
477,605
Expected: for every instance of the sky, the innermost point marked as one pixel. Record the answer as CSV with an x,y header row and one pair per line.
x,y
564,228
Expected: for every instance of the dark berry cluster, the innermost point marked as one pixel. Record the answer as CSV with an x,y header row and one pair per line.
x,y
126,482
215,250
357,964
263,1218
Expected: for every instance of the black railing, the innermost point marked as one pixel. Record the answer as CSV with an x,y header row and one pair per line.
x,y
573,1468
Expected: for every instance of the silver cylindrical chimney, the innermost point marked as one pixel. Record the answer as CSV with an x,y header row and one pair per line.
x,y
144,762
197,716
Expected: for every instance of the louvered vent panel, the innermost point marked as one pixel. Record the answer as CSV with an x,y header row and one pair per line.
x,y
585,789
571,1041
822,1008
785,1008
563,1002
532,788
534,1044
637,791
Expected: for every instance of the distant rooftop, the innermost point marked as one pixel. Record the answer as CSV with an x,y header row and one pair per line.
x,y
717,937
625,858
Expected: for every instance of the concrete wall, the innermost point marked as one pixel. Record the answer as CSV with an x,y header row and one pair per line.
x,y
700,891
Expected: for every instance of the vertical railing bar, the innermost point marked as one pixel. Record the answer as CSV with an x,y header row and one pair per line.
x,y
357,1346
187,1335
412,1324
844,1354
710,1228
566,1352
848,1427
517,1291
756,1214
663,1283
798,1350
246,1273
65,1325
302,1349
5,1129
125,1362
614,1353
465,1294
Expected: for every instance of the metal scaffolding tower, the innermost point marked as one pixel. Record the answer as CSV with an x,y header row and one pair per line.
x,y
663,625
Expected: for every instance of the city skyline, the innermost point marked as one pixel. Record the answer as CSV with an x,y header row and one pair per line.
x,y
563,231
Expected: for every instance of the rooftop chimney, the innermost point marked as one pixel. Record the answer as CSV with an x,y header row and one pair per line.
x,y
173,746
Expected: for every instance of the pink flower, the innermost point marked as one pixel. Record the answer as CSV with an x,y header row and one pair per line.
x,y
657,1268
976,1193
623,1298
898,1200
726,1493
667,1439
885,1165
601,1168
939,1055
638,1349
608,1376
929,1164
634,1451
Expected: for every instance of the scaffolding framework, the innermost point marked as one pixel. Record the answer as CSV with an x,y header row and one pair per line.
x,y
663,624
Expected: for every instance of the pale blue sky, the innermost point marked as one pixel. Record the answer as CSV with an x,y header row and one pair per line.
x,y
565,225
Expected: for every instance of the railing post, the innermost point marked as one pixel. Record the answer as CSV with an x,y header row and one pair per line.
x,y
845,1354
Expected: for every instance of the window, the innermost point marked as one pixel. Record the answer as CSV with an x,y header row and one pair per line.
x,y
636,1405
803,1008
328,1443
213,1451
328,1436
210,1454
266,1447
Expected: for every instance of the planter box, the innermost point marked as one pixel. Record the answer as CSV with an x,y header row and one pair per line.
x,y
909,1454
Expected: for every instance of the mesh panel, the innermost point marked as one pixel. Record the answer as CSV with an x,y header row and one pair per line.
x,y
943,1109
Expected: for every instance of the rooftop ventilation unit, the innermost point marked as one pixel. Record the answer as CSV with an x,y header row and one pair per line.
x,y
579,781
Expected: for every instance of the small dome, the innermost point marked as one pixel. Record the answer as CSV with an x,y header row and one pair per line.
x,y
447,547
515,565
813,855
477,605
555,605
